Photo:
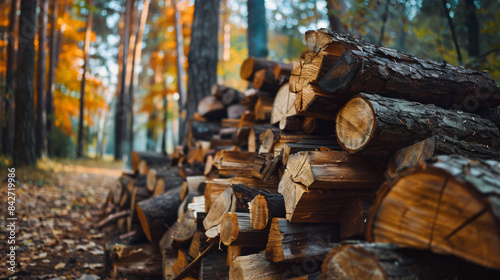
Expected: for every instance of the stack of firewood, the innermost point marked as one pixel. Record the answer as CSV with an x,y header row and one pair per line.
x,y
354,162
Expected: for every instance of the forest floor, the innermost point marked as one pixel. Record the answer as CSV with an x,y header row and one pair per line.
x,y
56,206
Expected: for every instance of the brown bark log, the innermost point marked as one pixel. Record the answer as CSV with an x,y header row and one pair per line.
x,y
450,204
263,108
231,163
370,124
211,108
149,160
282,70
264,207
254,64
158,212
236,230
292,242
213,267
308,145
265,80
376,261
385,71
417,153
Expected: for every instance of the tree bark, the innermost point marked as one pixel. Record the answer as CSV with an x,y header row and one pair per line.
x,y
41,117
257,29
202,58
24,98
51,87
450,204
8,124
179,44
80,152
391,124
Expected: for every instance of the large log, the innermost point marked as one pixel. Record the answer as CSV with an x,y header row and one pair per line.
x,y
370,124
213,267
231,163
211,108
204,130
388,261
333,170
312,205
158,212
415,154
142,161
448,205
168,174
265,80
264,207
236,230
294,242
370,68
227,95
263,108
283,105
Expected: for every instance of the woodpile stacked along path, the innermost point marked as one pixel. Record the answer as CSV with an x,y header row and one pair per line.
x,y
352,162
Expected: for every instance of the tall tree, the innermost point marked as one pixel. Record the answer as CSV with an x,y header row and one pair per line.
x,y
88,31
202,57
257,29
121,104
453,32
51,87
24,98
335,8
136,60
40,100
473,28
179,40
9,79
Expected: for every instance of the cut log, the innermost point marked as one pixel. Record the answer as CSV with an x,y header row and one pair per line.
x,y
235,111
204,130
265,165
318,126
293,123
183,260
244,195
212,191
283,105
170,174
227,95
257,266
263,108
333,170
353,218
233,251
147,160
220,206
315,205
314,102
268,139
254,137
308,145
254,64
230,122
370,124
231,163
265,80
139,194
292,242
388,261
213,267
264,207
310,69
415,154
195,264
211,108
183,230
451,204
282,70
381,70
236,230
158,212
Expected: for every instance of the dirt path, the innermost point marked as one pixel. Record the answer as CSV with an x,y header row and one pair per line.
x,y
56,210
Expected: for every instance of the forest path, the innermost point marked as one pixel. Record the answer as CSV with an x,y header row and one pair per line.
x,y
56,210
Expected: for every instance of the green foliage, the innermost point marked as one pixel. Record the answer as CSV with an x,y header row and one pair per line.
x,y
62,145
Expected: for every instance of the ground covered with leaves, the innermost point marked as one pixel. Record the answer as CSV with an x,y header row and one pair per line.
x,y
57,206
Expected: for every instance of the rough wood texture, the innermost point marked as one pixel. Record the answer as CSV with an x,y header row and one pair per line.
x,y
367,67
268,139
220,206
388,261
315,205
263,108
213,267
308,145
333,170
183,230
283,105
232,163
227,95
354,216
451,204
264,207
254,137
265,80
257,266
233,251
415,154
236,230
373,125
158,212
282,70
170,176
211,108
312,101
296,242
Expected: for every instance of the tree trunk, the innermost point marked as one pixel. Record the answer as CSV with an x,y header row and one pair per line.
x,y
80,150
51,87
391,124
332,6
8,124
121,108
40,106
449,203
453,32
202,58
257,29
179,44
24,98
473,28
387,261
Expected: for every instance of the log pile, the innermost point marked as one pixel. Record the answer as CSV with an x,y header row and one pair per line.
x,y
353,162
